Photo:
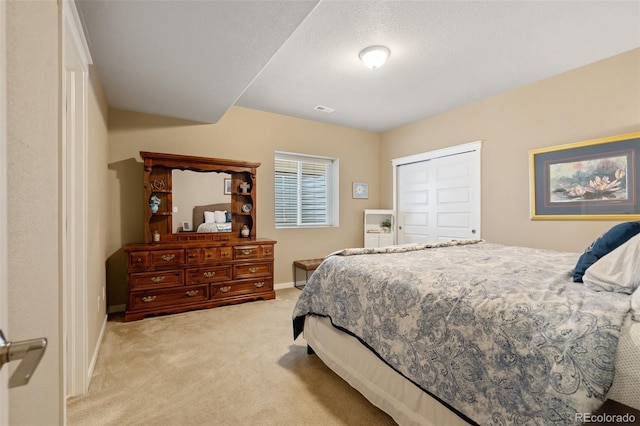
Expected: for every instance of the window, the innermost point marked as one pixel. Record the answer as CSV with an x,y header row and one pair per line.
x,y
306,190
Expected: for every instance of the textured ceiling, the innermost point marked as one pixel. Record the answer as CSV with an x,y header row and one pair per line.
x,y
195,59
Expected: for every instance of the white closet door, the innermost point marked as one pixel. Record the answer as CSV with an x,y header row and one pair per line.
x,y
414,203
438,198
456,213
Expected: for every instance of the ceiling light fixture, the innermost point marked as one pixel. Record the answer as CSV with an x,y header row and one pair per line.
x,y
374,56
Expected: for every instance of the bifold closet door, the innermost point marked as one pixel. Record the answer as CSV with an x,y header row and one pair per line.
x,y
439,199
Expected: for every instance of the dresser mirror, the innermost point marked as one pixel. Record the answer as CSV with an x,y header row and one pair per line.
x,y
194,188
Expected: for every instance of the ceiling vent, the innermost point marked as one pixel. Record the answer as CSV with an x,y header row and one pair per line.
x,y
324,109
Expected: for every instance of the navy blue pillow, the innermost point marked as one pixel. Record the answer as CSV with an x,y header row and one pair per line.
x,y
605,243
227,216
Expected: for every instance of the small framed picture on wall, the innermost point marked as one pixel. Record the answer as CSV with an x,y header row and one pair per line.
x,y
186,227
360,190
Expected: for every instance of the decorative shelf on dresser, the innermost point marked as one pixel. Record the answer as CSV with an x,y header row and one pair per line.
x,y
176,271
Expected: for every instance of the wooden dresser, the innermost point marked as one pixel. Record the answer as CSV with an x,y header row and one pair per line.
x,y
194,270
170,278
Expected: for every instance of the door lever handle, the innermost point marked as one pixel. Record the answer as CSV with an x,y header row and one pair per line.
x,y
29,351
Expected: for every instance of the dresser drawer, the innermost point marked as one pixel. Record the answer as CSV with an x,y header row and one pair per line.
x,y
226,253
208,254
139,259
208,275
159,298
220,291
252,270
167,257
266,250
201,255
150,280
246,252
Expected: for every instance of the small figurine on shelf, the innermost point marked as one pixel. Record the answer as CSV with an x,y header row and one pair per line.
x,y
156,236
386,225
154,203
244,232
244,188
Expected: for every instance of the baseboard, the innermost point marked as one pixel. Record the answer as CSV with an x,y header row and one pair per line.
x,y
96,351
280,286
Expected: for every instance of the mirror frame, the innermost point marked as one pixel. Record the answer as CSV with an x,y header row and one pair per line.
x,y
158,168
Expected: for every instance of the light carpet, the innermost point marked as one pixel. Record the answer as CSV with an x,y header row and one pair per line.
x,y
232,365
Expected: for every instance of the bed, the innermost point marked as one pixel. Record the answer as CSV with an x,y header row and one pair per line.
x,y
462,332
212,218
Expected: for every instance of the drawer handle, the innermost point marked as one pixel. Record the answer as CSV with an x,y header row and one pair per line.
x,y
225,289
168,257
267,251
192,293
225,253
158,279
147,299
253,270
247,251
209,274
191,256
259,284
139,260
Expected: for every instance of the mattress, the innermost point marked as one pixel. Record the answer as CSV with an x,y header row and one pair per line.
x,y
406,403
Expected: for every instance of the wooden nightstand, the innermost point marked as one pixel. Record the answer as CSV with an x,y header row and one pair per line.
x,y
613,412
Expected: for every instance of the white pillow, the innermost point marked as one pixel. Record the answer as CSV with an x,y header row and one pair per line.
x,y
617,271
209,217
220,216
635,305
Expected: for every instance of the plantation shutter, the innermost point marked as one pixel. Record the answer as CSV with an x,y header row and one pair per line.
x,y
303,188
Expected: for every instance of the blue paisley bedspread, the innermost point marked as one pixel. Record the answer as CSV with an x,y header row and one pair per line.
x,y
500,334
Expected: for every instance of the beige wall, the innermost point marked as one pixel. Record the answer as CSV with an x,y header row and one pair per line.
x,y
33,64
242,134
598,100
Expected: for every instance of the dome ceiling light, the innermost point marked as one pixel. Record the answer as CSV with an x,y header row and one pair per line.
x,y
374,56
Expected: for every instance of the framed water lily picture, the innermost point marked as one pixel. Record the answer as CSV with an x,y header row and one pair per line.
x,y
592,180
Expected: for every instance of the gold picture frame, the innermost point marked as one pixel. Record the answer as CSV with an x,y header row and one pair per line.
x,y
597,179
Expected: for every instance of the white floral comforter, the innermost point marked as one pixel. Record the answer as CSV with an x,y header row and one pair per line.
x,y
500,334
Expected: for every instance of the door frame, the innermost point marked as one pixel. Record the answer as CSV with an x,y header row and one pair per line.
x,y
76,59
474,146
4,317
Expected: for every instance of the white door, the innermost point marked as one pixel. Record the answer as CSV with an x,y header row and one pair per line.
x,y
414,203
456,212
437,195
